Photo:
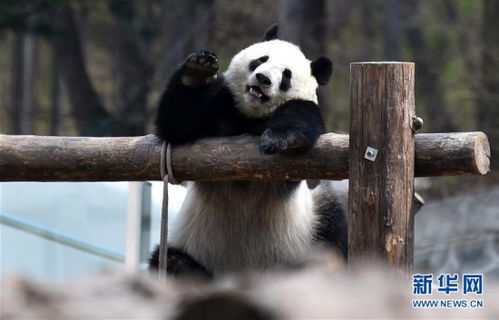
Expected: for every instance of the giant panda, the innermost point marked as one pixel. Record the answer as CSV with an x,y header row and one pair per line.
x,y
268,90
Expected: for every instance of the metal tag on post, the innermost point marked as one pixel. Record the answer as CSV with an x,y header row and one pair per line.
x,y
371,154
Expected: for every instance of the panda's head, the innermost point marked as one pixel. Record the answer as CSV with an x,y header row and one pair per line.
x,y
271,72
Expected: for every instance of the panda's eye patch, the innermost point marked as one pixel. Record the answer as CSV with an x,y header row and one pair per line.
x,y
255,63
286,80
263,59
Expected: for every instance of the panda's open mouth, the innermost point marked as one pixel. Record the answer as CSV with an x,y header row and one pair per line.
x,y
256,92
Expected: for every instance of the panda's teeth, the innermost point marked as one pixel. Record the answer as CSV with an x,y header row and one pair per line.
x,y
255,92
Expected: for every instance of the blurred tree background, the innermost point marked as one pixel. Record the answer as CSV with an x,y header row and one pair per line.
x,y
97,68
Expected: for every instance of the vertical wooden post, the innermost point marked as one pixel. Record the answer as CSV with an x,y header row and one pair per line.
x,y
381,185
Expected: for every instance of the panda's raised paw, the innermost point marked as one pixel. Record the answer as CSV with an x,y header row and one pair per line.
x,y
201,61
199,68
273,141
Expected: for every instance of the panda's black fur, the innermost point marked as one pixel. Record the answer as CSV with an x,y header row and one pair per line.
x,y
200,103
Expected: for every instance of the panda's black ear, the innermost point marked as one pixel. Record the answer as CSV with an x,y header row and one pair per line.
x,y
322,70
271,33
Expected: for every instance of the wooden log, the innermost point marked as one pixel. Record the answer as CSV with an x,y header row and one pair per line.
x,y
208,159
468,150
39,158
381,186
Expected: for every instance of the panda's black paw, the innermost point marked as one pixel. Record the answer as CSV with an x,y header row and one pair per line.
x,y
273,141
199,68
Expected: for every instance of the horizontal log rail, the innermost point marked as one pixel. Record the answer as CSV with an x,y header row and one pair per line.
x,y
43,158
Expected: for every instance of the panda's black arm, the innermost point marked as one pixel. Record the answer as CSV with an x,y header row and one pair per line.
x,y
186,114
191,104
181,115
296,125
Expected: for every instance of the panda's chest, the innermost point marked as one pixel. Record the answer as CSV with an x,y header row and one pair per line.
x,y
234,226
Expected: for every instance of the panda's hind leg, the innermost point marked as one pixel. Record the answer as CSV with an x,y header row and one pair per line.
x,y
199,68
180,264
332,228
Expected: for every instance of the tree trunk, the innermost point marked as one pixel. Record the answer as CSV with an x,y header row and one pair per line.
x,y
55,97
22,111
90,116
428,61
133,75
392,31
368,27
304,23
488,113
187,27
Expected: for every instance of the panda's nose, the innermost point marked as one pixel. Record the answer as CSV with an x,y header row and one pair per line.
x,y
263,79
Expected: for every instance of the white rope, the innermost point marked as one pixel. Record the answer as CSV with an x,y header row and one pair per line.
x,y
162,165
166,163
167,176
171,177
163,242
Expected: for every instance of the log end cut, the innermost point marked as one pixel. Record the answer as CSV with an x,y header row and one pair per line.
x,y
482,153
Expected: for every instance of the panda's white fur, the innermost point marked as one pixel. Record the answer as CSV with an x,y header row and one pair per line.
x,y
282,55
237,226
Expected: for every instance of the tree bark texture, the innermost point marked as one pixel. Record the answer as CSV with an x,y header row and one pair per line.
x,y
39,158
381,186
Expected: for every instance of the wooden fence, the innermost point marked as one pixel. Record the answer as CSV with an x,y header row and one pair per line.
x,y
381,156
